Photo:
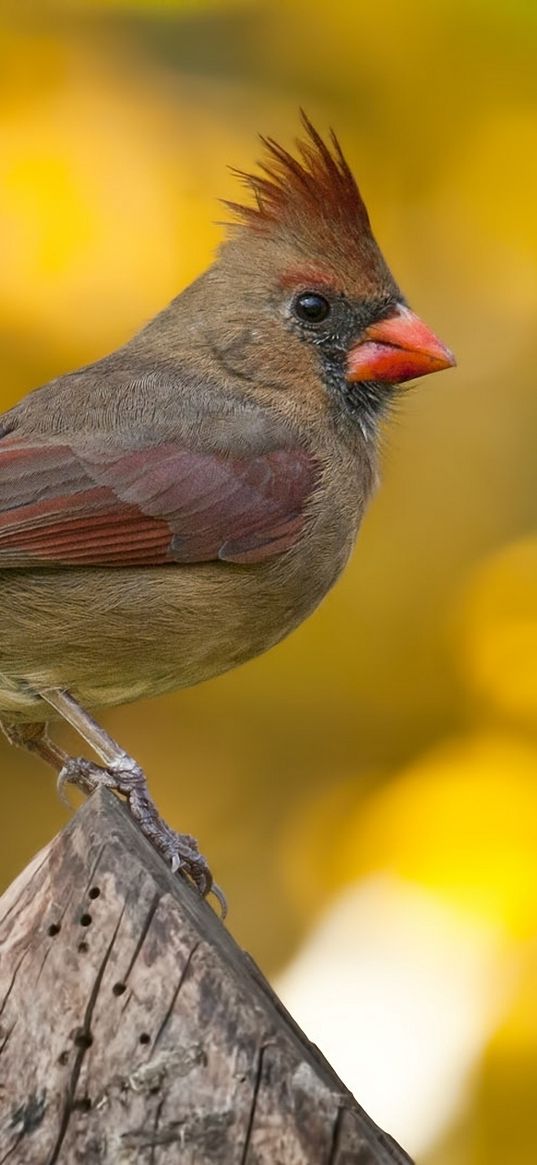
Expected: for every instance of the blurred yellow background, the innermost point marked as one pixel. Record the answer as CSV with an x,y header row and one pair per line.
x,y
367,792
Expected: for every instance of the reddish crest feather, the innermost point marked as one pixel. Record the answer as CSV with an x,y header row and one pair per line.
x,y
317,185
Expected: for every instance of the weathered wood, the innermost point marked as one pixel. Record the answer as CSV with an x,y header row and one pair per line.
x,y
134,1030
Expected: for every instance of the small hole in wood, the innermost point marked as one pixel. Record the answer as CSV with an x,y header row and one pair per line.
x,y
145,1038
63,1057
85,920
83,947
83,1104
94,892
83,1040
119,988
54,929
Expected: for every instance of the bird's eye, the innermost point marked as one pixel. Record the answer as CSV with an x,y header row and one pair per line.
x,y
311,308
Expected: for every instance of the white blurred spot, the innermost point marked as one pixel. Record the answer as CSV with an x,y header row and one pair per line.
x,y
401,993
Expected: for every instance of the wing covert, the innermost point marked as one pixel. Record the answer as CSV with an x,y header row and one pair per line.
x,y
63,504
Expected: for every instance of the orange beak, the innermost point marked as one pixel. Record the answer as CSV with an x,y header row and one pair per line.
x,y
398,348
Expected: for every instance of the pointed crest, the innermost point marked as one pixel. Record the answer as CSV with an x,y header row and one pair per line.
x,y
315,187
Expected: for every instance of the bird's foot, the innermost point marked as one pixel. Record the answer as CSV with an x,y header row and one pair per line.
x,y
180,850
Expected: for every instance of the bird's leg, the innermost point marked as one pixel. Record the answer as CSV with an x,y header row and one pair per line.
x,y
123,775
34,738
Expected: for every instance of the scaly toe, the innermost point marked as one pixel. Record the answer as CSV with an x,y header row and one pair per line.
x,y
182,852
124,776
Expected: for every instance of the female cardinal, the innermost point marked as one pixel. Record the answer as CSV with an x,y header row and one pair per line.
x,y
182,504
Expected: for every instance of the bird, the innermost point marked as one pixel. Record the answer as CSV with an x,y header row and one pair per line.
x,y
177,507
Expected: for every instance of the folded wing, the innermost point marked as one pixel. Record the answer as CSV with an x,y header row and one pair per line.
x,y
68,505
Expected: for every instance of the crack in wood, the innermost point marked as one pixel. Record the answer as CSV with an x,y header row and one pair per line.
x,y
43,961
14,1146
7,1035
93,871
11,983
336,1135
253,1103
156,1123
143,934
173,1001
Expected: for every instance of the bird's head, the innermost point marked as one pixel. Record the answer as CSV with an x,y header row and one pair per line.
x,y
304,301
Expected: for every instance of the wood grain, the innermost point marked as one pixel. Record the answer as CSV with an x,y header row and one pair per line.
x,y
133,1029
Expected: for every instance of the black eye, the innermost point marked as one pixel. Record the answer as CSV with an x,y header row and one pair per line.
x,y
311,307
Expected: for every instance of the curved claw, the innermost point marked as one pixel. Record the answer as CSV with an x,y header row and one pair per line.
x,y
79,772
180,849
220,898
195,868
62,780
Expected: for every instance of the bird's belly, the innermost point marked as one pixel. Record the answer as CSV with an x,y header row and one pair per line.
x,y
112,636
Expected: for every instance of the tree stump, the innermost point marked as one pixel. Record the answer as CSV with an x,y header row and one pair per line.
x,y
133,1029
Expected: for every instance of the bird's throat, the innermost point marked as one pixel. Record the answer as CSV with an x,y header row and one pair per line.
x,y
363,402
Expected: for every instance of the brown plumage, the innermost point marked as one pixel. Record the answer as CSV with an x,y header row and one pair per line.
x,y
180,505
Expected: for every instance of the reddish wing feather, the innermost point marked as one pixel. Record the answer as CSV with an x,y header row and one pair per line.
x,y
163,504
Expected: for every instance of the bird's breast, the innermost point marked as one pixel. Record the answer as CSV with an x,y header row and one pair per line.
x,y
113,635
